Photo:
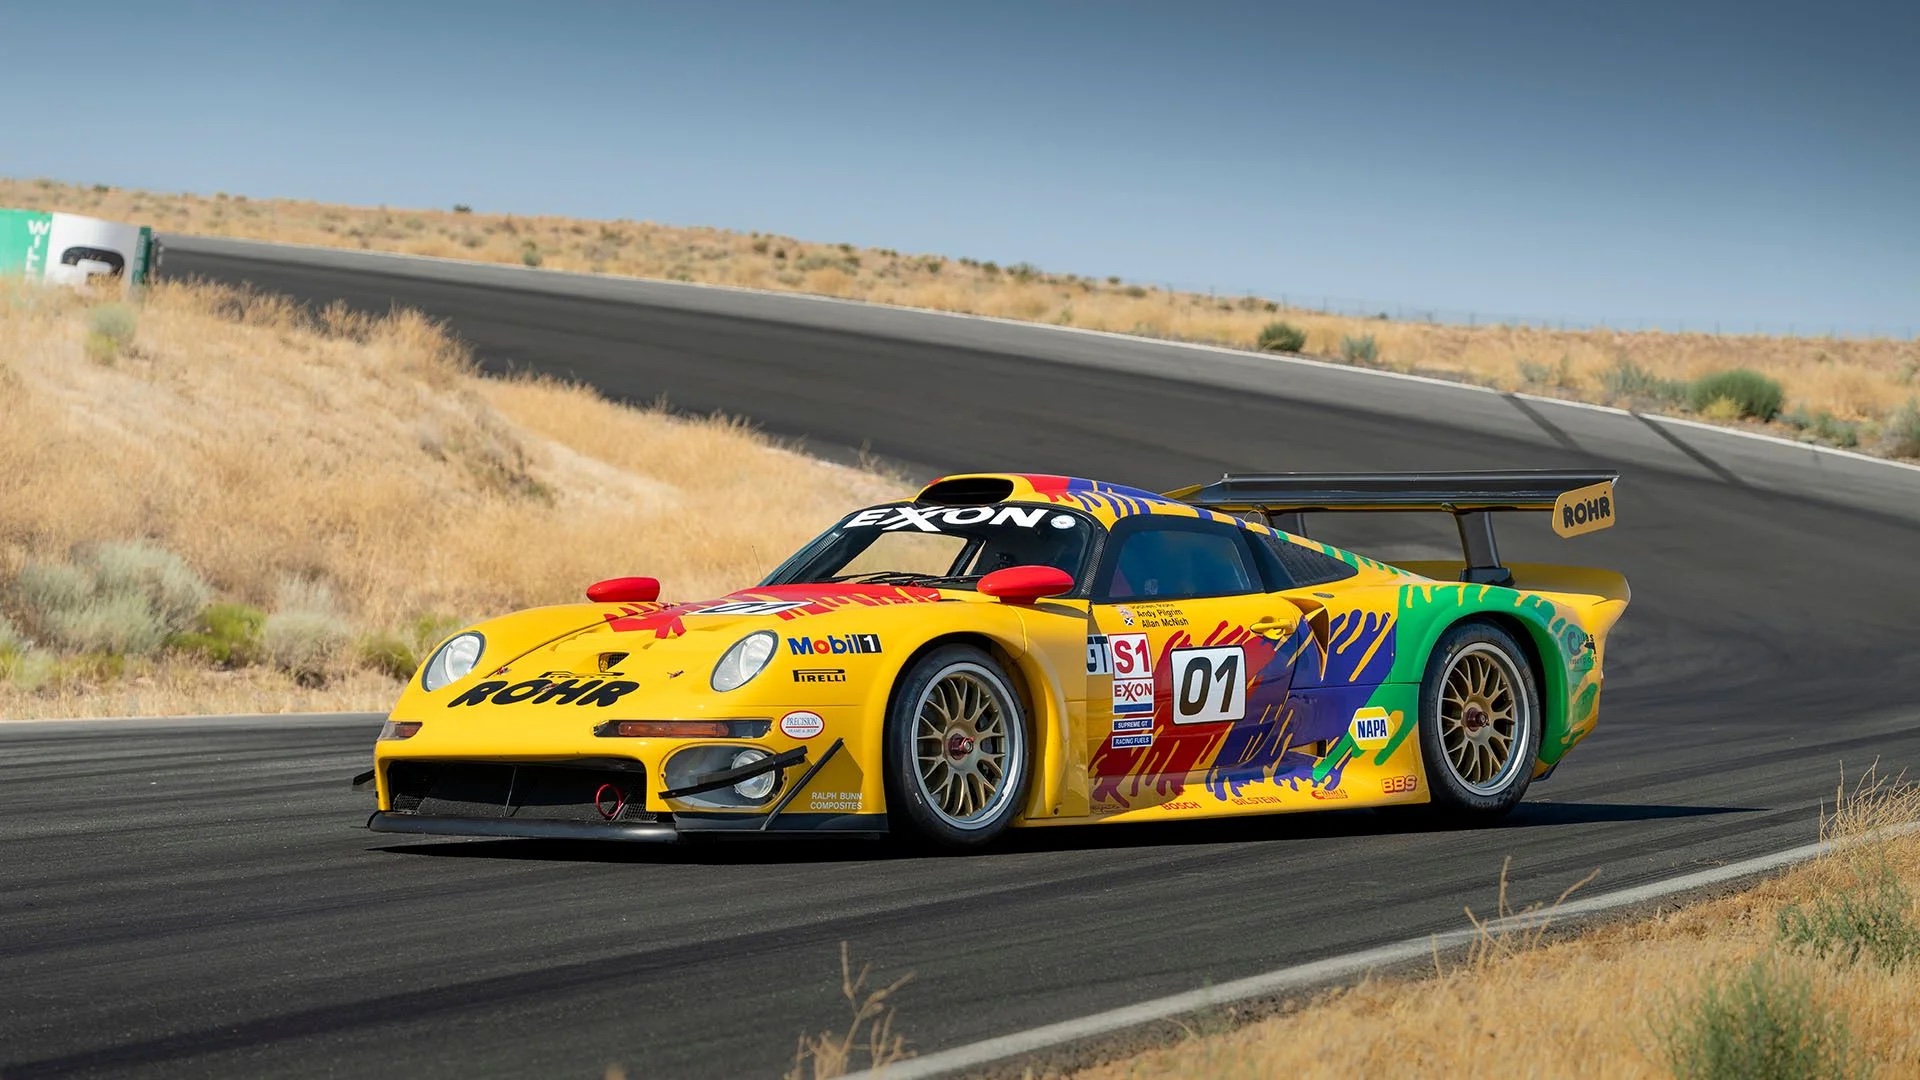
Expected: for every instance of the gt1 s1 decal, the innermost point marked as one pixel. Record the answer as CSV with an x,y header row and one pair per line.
x,y
1099,658
1132,673
1209,685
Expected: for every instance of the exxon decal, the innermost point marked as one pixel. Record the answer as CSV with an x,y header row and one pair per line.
x,y
932,519
837,645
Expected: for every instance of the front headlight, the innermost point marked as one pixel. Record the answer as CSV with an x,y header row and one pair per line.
x,y
453,661
748,657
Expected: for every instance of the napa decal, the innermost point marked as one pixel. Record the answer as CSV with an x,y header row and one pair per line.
x,y
1371,726
1584,510
836,645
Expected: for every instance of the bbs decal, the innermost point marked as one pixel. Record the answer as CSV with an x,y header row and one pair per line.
x,y
1209,685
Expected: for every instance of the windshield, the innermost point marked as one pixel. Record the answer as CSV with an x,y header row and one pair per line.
x,y
949,547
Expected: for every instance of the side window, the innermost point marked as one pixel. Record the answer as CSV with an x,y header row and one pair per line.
x,y
1162,558
1290,566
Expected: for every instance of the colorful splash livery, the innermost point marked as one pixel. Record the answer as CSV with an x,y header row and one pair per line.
x,y
1017,650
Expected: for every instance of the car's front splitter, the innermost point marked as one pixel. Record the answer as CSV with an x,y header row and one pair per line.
x,y
684,826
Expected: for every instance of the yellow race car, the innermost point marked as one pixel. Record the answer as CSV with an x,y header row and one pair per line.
x,y
1022,650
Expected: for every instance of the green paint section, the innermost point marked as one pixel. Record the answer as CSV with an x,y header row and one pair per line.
x,y
1425,610
23,242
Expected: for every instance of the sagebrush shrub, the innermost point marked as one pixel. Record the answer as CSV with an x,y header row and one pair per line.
x,y
1360,350
1626,379
1903,430
1752,393
1282,336
228,635
119,599
306,636
1872,920
1760,1022
171,589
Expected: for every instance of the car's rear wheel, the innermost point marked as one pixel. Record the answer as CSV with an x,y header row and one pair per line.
x,y
1479,722
958,757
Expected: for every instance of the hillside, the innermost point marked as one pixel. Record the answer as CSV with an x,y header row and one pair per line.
x,y
1842,392
214,503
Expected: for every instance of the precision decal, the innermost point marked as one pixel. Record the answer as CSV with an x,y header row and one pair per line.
x,y
802,724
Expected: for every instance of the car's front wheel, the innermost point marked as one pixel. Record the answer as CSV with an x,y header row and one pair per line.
x,y
958,758
1479,722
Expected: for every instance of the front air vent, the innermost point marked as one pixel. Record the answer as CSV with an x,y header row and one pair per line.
x,y
966,491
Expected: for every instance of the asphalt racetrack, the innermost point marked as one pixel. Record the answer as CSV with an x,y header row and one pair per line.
x,y
186,899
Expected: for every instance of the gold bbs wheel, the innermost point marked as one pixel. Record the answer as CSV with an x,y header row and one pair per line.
x,y
963,733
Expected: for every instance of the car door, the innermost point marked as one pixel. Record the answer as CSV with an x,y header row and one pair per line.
x,y
1190,652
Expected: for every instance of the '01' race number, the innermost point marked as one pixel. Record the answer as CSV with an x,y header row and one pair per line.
x,y
1209,685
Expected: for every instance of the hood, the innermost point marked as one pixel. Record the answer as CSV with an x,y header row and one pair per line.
x,y
667,641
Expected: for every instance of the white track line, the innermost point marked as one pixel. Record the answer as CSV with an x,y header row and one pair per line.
x,y
1083,331
1334,968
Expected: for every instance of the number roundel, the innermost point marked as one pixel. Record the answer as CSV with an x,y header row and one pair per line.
x,y
1209,685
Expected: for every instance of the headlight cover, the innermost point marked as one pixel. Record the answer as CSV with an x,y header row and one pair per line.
x,y
453,661
748,657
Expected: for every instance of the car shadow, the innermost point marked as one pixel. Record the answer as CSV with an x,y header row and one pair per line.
x,y
1277,827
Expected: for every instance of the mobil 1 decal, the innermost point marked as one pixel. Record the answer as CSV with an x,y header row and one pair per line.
x,y
1209,685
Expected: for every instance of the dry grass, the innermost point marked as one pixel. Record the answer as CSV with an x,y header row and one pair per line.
x,y
1839,391
869,1041
355,470
1602,1004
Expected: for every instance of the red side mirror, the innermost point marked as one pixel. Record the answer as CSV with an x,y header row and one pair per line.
x,y
625,590
1025,584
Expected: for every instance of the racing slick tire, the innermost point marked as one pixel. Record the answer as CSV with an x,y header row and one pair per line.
x,y
958,754
1479,722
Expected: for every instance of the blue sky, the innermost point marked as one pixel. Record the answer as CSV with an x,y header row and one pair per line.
x,y
1749,164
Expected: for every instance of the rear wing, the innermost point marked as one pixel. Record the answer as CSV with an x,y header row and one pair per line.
x,y
1580,502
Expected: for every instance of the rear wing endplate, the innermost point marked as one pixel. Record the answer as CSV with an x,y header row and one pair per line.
x,y
1580,502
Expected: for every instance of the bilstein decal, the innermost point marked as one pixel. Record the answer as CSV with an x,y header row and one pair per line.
x,y
1584,510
